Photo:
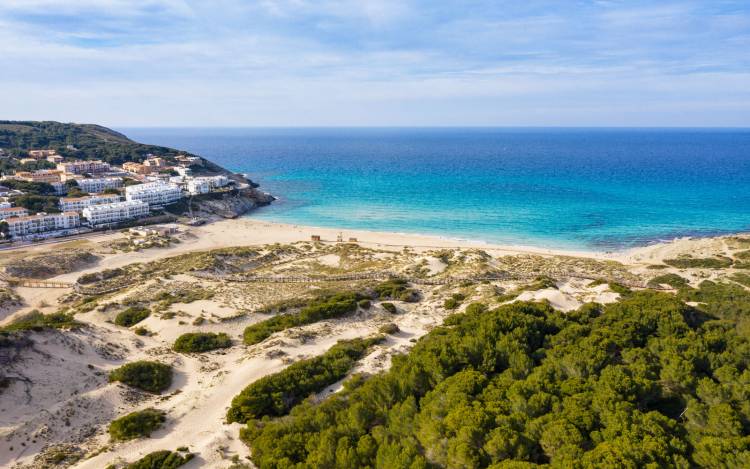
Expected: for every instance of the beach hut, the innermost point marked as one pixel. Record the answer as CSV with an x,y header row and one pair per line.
x,y
315,238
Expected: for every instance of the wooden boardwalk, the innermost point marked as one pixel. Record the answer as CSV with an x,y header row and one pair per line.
x,y
33,283
386,275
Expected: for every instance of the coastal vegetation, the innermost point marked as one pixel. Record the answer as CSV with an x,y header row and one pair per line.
x,y
88,141
153,377
136,424
647,381
276,394
454,301
717,262
131,316
36,321
390,307
323,307
673,280
161,460
396,289
51,264
195,342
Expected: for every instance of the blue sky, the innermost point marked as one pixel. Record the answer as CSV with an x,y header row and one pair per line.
x,y
376,62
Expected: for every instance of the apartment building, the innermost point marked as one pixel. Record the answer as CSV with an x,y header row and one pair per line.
x,y
43,175
42,223
115,213
136,168
83,167
94,185
154,193
206,184
12,212
77,204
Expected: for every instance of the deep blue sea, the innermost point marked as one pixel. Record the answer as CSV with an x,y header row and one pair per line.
x,y
567,188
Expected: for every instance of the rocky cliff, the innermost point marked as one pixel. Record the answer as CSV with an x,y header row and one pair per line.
x,y
230,205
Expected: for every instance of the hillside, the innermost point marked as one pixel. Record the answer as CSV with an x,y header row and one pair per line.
x,y
90,141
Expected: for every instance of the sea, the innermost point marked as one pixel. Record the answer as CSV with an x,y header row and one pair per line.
x,y
597,189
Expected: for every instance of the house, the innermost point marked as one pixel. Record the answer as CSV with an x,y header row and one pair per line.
x,y
183,171
41,154
55,159
189,160
155,163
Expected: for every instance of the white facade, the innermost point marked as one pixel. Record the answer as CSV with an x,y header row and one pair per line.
x,y
83,166
77,204
4,204
182,171
205,184
94,185
41,223
154,193
115,213
11,212
198,186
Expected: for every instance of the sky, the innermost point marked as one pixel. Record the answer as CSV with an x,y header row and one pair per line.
x,y
376,62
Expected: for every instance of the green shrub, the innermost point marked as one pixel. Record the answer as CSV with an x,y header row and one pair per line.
x,y
619,288
597,282
276,394
132,316
148,376
718,262
743,279
201,342
161,460
451,303
542,282
36,321
364,304
390,307
318,309
673,280
140,331
389,328
136,424
396,289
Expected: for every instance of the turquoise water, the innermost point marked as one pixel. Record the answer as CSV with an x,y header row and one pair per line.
x,y
568,188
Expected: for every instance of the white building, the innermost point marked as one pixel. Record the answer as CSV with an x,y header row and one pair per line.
x,y
115,213
154,193
11,212
83,167
94,185
42,223
5,204
183,171
77,204
203,185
